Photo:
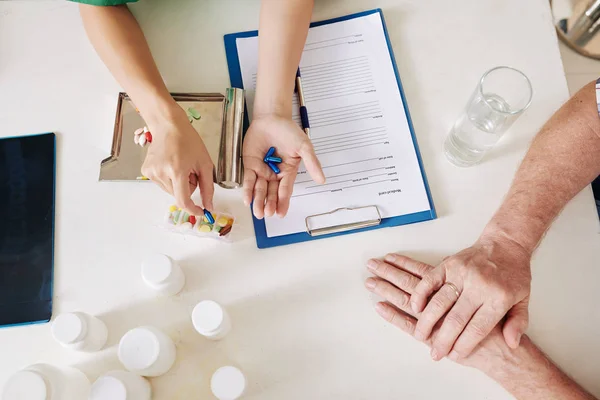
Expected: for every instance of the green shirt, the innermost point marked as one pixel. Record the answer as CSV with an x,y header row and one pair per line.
x,y
105,2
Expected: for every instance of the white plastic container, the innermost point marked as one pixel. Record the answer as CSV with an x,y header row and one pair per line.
x,y
228,383
211,320
80,331
147,351
163,275
47,382
121,385
222,228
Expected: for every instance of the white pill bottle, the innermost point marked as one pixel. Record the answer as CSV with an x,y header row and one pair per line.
x,y
80,331
211,320
228,383
147,351
47,382
121,385
163,275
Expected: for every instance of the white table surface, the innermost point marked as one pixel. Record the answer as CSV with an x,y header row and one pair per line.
x,y
304,326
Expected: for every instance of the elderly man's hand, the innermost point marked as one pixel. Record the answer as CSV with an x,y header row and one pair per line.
x,y
396,279
473,291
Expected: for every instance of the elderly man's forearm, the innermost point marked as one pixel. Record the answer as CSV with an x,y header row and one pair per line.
x,y
563,159
528,374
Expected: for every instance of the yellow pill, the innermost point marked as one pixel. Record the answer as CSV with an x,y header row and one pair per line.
x,y
222,221
173,208
205,228
230,222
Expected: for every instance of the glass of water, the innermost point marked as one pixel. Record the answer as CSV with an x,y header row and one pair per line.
x,y
502,95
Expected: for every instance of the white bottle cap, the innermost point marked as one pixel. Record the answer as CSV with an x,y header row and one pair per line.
x,y
157,269
26,385
139,349
68,328
207,317
108,388
228,383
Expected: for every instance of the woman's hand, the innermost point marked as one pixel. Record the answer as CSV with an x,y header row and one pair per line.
x,y
178,161
272,192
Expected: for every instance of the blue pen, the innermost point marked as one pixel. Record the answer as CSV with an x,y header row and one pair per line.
x,y
303,110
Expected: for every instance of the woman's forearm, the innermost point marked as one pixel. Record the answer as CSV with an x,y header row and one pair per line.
x,y
120,43
282,34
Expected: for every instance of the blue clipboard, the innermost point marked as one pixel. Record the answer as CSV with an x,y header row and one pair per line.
x,y
235,76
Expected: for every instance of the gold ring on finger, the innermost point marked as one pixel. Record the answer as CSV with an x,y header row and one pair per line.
x,y
454,288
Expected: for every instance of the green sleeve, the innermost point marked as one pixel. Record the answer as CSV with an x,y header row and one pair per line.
x,y
104,2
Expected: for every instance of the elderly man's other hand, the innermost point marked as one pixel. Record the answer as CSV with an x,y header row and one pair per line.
x,y
468,294
396,279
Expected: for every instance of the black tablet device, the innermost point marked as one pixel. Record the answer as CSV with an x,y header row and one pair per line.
x,y
27,181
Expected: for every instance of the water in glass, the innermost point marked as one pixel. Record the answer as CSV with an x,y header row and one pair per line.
x,y
478,130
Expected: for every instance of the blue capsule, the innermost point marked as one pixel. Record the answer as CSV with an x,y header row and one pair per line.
x,y
209,216
274,167
274,160
270,152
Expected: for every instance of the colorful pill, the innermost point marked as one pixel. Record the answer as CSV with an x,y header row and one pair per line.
x,y
274,167
270,152
272,159
148,136
192,112
142,178
185,218
192,219
225,230
142,140
176,216
209,216
186,225
205,228
222,221
173,208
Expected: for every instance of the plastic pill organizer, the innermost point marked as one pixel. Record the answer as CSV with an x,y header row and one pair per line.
x,y
179,221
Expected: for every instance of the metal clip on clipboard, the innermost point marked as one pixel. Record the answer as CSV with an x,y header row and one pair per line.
x,y
369,216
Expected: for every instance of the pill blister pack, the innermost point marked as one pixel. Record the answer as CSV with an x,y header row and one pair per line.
x,y
177,220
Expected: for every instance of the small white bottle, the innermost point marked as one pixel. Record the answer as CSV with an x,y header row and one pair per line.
x,y
80,331
211,320
147,351
121,385
47,382
163,275
228,383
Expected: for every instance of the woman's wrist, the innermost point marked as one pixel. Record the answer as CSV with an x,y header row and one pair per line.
x,y
274,105
161,113
157,108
